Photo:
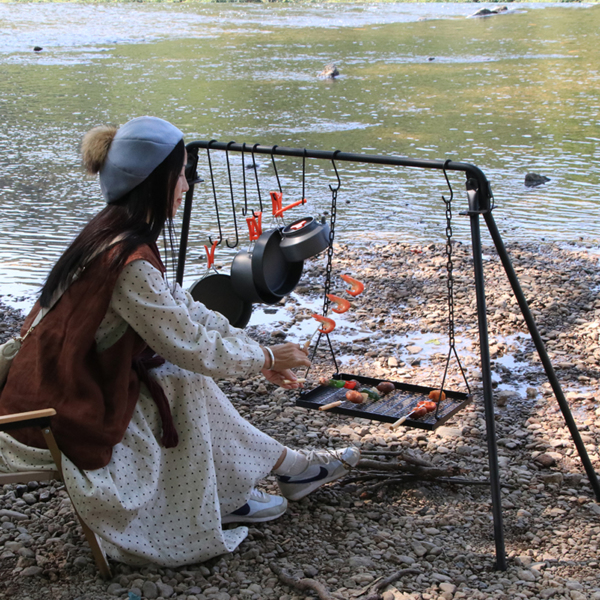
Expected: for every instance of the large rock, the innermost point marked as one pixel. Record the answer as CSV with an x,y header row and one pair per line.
x,y
487,12
534,179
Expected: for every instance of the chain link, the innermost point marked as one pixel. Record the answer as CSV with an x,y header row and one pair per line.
x,y
328,268
450,269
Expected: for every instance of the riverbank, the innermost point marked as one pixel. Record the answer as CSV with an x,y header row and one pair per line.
x,y
346,539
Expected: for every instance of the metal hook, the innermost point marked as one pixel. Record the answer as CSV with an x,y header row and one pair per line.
x,y
448,182
275,168
237,237
256,176
339,185
245,210
212,180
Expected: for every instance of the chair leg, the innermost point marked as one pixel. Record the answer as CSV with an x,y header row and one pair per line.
x,y
97,552
91,537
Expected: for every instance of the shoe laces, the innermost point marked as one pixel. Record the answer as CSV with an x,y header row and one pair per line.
x,y
258,495
324,457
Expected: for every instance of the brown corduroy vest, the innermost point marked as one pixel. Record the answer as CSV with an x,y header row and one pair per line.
x,y
94,393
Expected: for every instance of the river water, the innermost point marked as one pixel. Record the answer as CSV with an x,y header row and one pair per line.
x,y
513,93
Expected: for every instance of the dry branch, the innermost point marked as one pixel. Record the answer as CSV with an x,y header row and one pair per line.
x,y
422,471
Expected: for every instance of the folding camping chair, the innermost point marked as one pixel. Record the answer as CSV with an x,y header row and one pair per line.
x,y
41,418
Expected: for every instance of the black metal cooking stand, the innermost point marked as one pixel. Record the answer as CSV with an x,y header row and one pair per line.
x,y
480,203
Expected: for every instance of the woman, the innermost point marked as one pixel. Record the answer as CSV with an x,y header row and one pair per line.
x,y
155,462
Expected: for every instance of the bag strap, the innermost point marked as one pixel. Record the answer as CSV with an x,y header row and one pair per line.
x,y
43,312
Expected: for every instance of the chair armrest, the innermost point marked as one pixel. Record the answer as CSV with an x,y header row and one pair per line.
x,y
40,418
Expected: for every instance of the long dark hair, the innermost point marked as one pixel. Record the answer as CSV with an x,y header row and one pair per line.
x,y
135,219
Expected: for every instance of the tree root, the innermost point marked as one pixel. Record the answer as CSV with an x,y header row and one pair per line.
x,y
301,584
383,583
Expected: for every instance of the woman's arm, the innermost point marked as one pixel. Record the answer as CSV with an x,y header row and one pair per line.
x,y
212,320
184,335
143,299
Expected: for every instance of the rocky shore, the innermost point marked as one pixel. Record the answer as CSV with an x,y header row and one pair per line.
x,y
438,536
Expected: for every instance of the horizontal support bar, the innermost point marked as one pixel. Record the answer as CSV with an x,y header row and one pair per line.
x,y
472,172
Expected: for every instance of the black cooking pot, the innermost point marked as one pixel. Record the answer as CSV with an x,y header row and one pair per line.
x,y
304,239
243,283
273,273
215,291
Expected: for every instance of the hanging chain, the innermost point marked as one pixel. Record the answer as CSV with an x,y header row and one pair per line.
x,y
450,268
328,268
450,285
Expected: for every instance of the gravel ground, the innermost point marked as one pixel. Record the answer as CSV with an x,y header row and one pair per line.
x,y
347,536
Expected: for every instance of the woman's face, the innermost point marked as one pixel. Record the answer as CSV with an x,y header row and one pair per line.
x,y
181,187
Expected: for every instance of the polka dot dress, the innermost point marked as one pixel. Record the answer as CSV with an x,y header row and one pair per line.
x,y
152,504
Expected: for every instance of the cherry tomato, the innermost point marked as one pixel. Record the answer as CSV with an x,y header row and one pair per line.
x,y
435,395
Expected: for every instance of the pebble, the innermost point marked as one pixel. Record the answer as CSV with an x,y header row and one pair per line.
x,y
13,514
31,571
150,590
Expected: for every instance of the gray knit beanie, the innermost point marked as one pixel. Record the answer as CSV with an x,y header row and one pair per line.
x,y
136,150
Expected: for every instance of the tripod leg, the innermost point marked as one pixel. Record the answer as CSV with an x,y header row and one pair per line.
x,y
541,350
488,400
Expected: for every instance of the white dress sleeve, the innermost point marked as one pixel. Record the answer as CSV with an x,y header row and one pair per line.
x,y
181,330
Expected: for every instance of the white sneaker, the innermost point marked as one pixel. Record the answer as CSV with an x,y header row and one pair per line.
x,y
260,507
323,466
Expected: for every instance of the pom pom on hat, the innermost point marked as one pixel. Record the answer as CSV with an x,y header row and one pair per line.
x,y
95,145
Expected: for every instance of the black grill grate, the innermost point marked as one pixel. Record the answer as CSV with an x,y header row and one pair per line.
x,y
390,407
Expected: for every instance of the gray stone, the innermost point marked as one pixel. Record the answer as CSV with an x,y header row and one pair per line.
x,y
360,561
545,460
13,514
31,571
595,508
150,590
552,478
535,179
115,589
29,498
526,575
524,560
449,432
309,570
164,590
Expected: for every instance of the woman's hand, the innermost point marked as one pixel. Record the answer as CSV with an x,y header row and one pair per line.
x,y
285,379
287,356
